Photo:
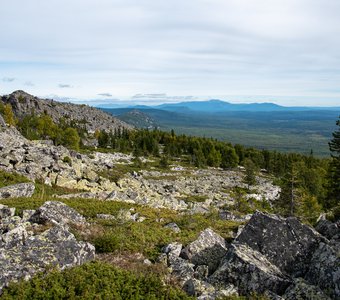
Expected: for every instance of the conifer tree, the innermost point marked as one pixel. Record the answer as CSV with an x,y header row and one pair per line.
x,y
333,192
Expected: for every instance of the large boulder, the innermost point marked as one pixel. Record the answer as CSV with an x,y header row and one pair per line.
x,y
17,190
27,248
250,272
208,249
286,243
324,268
58,213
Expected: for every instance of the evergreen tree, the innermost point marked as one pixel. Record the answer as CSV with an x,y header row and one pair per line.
x,y
333,188
250,178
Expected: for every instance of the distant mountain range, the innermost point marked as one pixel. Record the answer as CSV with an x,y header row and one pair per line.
x,y
215,106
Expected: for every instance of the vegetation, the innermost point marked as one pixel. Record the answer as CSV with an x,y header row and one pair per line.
x,y
95,280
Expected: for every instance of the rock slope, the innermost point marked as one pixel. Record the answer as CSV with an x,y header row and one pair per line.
x,y
92,118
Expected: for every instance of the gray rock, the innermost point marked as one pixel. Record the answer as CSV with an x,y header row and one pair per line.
x,y
173,248
208,249
173,226
27,248
327,228
250,272
105,217
6,211
180,268
201,272
57,213
17,190
302,290
324,268
286,243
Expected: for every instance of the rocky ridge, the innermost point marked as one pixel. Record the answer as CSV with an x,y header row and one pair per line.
x,y
92,118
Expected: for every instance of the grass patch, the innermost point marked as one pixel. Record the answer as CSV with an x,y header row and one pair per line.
x,y
7,178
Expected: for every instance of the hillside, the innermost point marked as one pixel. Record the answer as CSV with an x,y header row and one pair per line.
x,y
92,119
154,215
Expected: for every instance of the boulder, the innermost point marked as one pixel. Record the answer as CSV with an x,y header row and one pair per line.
x,y
17,190
302,290
286,243
173,249
327,228
324,270
27,248
58,213
6,211
250,271
208,249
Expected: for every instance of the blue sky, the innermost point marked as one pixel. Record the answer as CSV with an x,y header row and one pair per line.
x,y
287,52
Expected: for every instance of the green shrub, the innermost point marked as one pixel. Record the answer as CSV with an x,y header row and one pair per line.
x,y
95,280
11,178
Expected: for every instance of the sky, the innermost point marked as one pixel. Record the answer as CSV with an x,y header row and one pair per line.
x,y
147,51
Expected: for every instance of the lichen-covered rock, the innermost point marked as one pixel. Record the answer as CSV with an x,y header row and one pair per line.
x,y
286,243
300,289
250,272
27,248
173,249
208,249
17,190
57,213
180,268
327,228
324,270
6,211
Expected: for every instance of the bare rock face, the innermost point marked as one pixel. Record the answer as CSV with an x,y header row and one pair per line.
x,y
17,190
250,271
208,249
286,243
27,247
58,213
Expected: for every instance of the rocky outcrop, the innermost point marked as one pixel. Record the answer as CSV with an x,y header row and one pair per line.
x,y
92,118
324,269
27,247
263,259
17,190
286,243
208,249
250,271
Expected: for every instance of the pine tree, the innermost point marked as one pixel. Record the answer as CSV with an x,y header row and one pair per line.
x,y
333,192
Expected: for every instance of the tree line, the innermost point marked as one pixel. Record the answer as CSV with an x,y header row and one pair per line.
x,y
307,182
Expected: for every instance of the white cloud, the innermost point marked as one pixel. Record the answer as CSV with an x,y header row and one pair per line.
x,y
192,47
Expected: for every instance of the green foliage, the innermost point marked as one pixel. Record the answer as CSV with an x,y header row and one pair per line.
x,y
8,115
93,280
250,178
71,138
7,178
67,160
164,162
333,176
